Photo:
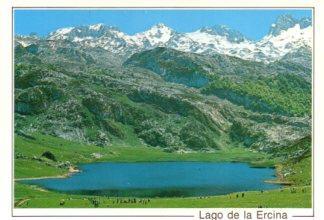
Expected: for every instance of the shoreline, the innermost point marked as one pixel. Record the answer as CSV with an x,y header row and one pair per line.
x,y
72,170
279,180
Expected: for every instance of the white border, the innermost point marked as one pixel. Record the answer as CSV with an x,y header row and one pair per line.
x,y
6,89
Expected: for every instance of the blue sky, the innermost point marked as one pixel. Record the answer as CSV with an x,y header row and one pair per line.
x,y
254,24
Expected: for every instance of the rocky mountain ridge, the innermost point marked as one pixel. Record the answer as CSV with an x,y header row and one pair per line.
x,y
285,36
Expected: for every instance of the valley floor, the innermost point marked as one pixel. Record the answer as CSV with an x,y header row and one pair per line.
x,y
30,164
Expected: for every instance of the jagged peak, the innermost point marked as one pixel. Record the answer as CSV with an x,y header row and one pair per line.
x,y
286,21
159,27
62,31
88,31
225,31
96,27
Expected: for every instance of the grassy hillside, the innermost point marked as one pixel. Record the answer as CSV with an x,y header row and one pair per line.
x,y
284,94
244,103
30,163
275,88
74,106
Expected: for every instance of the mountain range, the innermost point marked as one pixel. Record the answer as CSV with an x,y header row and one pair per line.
x,y
285,36
202,91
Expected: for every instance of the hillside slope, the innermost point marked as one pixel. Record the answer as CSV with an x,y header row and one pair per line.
x,y
69,92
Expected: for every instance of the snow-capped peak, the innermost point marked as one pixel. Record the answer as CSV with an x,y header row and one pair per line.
x,y
61,33
156,35
285,35
96,27
82,32
286,41
159,28
225,31
64,30
284,22
26,41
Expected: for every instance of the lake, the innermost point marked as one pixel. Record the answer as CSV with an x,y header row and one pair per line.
x,y
161,179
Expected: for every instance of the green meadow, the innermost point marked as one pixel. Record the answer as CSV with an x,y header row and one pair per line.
x,y
30,164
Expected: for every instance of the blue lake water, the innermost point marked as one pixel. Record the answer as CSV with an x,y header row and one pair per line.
x,y
161,179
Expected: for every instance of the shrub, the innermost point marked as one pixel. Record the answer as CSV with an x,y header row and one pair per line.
x,y
49,155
